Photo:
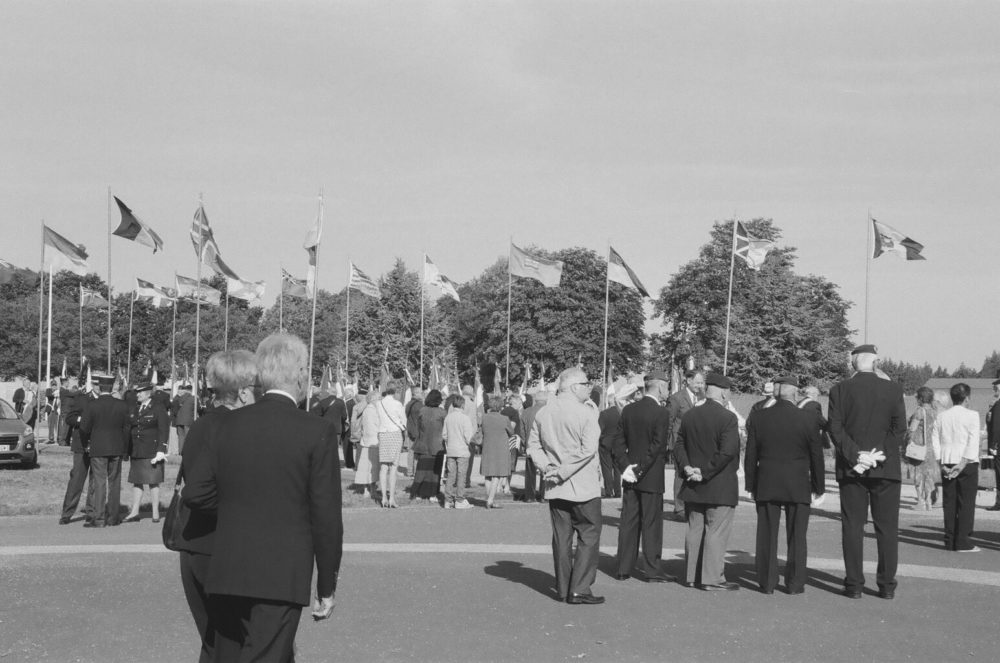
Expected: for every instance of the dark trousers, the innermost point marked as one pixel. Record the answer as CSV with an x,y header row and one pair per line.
x,y
996,474
249,629
856,494
348,447
182,432
194,571
530,473
959,503
678,485
796,524
575,573
74,489
642,518
106,482
53,420
609,472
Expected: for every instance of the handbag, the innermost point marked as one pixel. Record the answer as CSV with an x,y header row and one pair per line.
x,y
918,452
176,517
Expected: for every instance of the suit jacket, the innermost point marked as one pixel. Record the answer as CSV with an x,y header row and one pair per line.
x,y
993,427
198,535
150,430
867,412
608,421
641,439
678,403
784,457
565,434
271,474
816,410
334,410
74,403
18,400
182,409
709,439
104,426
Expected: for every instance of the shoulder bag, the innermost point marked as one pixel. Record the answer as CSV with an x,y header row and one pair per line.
x,y
918,452
176,517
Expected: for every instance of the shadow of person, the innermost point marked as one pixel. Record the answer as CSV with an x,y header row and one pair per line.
x,y
540,581
824,581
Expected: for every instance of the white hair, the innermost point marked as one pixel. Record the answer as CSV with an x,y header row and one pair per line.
x,y
570,376
281,361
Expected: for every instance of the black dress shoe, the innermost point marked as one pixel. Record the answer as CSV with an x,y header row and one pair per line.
x,y
852,593
94,525
623,576
584,599
887,594
721,587
660,577
797,590
64,520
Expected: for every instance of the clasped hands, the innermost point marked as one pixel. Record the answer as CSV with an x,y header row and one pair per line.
x,y
322,608
868,460
693,474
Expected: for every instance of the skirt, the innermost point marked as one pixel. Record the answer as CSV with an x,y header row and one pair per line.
x,y
141,471
389,446
427,476
366,460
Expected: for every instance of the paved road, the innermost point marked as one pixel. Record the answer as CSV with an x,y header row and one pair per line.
x,y
424,584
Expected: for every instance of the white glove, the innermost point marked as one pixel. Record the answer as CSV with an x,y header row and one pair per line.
x,y
159,458
817,500
322,608
628,476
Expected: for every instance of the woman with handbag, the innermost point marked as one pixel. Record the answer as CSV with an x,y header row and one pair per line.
x,y
919,453
392,427
232,376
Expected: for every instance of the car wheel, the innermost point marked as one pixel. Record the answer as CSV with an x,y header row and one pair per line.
x,y
31,464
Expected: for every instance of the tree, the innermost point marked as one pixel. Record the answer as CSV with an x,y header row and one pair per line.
x,y
781,322
991,366
909,376
964,372
555,326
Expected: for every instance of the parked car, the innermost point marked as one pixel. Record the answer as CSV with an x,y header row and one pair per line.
x,y
17,440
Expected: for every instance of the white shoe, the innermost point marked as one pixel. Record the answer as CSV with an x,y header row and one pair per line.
x,y
464,504
449,505
972,549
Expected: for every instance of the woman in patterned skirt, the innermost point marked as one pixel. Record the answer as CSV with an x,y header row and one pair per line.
x,y
392,425
927,471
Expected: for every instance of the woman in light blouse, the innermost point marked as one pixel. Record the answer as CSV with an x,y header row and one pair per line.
x,y
955,440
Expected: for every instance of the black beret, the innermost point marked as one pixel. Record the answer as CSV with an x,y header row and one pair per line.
x,y
718,380
787,379
867,348
143,386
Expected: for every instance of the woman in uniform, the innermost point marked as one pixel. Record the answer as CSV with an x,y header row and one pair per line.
x,y
148,453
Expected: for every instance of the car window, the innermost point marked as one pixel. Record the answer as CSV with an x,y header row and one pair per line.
x,y
7,411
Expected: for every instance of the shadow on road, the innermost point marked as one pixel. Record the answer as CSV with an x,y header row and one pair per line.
x,y
540,581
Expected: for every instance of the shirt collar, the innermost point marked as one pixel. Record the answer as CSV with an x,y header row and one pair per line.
x,y
283,393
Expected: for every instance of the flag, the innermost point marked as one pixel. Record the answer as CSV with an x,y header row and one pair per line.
x,y
189,289
204,244
363,283
92,299
8,271
154,294
63,374
888,239
134,229
433,276
478,387
63,254
311,245
619,272
750,248
545,271
249,291
526,379
292,286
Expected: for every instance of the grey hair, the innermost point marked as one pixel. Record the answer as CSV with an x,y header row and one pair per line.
x,y
569,376
281,361
228,372
864,361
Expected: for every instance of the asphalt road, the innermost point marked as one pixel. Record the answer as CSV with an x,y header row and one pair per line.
x,y
424,584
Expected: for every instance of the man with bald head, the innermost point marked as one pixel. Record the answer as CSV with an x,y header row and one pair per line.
x,y
867,420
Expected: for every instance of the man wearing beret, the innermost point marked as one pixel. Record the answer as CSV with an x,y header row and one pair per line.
x,y
784,472
867,422
639,451
993,439
708,450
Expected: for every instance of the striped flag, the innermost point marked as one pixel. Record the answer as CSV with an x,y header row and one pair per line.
x,y
153,294
544,270
60,253
751,249
250,291
292,286
890,240
433,276
363,283
134,229
204,244
619,272
92,299
189,289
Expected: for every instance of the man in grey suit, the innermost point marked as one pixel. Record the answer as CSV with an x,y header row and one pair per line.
x,y
563,444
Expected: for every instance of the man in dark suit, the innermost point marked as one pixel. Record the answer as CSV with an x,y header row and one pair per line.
x,y
768,399
993,440
784,472
867,424
810,403
182,413
639,450
271,477
74,401
18,398
708,450
334,410
690,395
104,427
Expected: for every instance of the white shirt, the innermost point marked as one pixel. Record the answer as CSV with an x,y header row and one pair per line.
x,y
956,436
283,393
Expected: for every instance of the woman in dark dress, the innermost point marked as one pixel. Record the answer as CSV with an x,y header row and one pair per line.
x,y
497,431
148,453
231,375
428,449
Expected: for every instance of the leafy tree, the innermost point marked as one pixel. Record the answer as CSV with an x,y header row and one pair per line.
x,y
781,322
910,376
991,366
965,372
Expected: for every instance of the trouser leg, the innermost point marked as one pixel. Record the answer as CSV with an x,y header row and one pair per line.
x,y
718,525
530,473
678,484
768,515
99,484
586,518
74,488
194,571
968,485
885,519
562,544
348,448
461,469
651,515
796,527
693,540
853,516
628,531
114,488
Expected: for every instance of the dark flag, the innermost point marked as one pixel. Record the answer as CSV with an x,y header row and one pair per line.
x,y
134,229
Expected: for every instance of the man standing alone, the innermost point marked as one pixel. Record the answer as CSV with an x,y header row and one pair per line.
x,y
563,445
867,423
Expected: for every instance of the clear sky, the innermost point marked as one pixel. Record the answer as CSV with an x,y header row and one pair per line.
x,y
448,127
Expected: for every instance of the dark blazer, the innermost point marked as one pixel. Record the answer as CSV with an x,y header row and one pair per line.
x,y
784,457
993,427
709,439
150,430
18,400
182,409
272,476
334,410
608,421
867,412
105,426
678,403
198,535
816,410
641,439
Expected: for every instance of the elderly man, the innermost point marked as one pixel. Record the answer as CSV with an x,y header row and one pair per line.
x,y
867,423
784,472
563,445
708,450
608,420
270,476
182,413
105,427
690,395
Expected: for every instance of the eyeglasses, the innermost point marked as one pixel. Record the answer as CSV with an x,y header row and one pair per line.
x,y
582,384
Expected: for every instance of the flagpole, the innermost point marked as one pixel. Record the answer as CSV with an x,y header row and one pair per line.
x,y
111,229
197,304
48,362
128,360
315,292
225,338
510,281
347,316
607,302
422,276
41,304
81,323
868,268
281,301
173,343
729,303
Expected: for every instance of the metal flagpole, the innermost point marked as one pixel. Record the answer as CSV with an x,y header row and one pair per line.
x,y
173,344
128,360
48,361
41,304
81,324
197,304
607,301
315,292
422,276
868,267
347,316
510,280
225,338
281,302
729,304
111,228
